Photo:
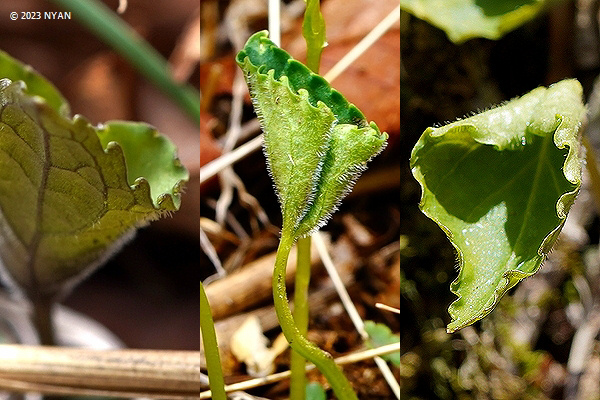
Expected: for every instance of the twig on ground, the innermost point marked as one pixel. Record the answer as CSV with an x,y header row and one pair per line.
x,y
351,309
347,359
119,373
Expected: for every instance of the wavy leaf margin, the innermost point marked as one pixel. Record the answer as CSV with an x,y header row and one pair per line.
x,y
302,115
557,110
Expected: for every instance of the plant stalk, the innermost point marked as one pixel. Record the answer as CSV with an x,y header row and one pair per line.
x,y
301,316
211,349
42,319
313,30
298,342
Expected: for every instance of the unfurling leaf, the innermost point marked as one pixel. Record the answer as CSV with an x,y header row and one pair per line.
x,y
316,143
500,185
71,193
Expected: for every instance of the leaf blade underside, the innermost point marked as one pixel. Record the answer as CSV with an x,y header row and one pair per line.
x,y
500,184
65,200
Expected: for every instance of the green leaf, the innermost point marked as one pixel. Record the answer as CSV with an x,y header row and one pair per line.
x,y
35,84
316,143
380,335
149,156
467,19
500,185
68,201
314,391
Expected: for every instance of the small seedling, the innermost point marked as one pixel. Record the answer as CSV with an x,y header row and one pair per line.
x,y
317,145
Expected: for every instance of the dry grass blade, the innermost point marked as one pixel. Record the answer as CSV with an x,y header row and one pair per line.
x,y
53,370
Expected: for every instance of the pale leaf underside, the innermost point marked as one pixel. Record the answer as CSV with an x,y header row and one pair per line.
x,y
467,19
65,201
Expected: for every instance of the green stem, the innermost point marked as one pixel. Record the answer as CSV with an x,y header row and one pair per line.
x,y
302,280
313,30
211,349
323,360
104,23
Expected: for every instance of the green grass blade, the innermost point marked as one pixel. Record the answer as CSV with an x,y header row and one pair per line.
x,y
100,20
211,349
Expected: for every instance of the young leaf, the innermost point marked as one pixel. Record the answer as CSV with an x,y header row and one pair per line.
x,y
66,199
380,335
467,19
35,84
313,30
500,185
316,143
314,391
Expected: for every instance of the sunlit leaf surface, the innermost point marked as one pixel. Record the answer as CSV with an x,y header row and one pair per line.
x,y
467,19
500,185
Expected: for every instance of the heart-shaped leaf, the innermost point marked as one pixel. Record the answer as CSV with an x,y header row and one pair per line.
x,y
316,143
71,193
500,185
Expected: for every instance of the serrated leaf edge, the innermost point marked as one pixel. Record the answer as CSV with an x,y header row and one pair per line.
x,y
317,87
512,277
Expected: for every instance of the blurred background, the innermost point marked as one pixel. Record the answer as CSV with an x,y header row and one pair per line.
x,y
148,293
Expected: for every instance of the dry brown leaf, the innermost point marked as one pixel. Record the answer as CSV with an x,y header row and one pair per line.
x,y
186,54
101,88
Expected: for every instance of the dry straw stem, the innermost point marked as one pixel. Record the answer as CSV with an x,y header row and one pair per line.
x,y
214,167
351,309
347,359
118,373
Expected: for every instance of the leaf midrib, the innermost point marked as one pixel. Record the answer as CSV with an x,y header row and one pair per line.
x,y
37,235
541,161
